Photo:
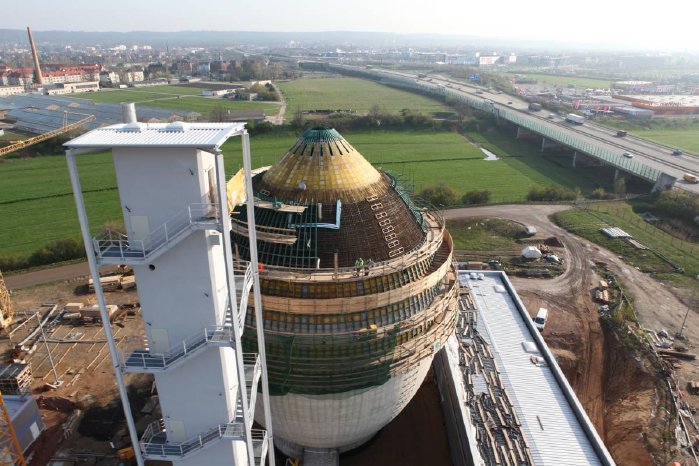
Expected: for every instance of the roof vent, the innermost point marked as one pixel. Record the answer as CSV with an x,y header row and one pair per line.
x,y
176,126
133,127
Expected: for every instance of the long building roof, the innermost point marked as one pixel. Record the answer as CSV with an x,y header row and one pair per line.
x,y
177,134
556,426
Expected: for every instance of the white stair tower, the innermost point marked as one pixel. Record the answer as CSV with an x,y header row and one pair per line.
x,y
193,296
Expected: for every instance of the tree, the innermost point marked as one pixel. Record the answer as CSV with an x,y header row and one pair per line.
x,y
219,114
298,120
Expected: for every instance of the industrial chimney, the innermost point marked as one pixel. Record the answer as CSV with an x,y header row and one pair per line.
x,y
39,77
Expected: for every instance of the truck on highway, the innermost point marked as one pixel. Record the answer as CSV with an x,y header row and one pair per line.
x,y
534,107
690,178
573,118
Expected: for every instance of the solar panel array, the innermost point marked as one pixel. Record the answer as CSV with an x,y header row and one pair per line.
x,y
48,112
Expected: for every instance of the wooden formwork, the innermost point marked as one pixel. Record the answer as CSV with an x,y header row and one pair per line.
x,y
15,378
6,310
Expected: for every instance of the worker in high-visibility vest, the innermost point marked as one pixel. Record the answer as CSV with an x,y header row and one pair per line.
x,y
359,263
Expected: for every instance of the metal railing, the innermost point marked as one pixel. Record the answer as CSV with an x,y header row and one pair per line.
x,y
142,360
154,443
114,245
253,372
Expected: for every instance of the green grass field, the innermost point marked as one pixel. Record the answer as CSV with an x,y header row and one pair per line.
x,y
586,83
352,93
175,98
36,203
485,234
586,223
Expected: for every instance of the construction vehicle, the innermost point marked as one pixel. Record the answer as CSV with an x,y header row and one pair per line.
x,y
46,136
690,178
573,118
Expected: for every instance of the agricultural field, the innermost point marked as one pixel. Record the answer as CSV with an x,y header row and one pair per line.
x,y
176,98
586,83
359,95
36,202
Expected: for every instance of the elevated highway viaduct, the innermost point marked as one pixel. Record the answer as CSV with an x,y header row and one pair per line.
x,y
650,161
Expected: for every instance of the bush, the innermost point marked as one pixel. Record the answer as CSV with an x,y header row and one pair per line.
x,y
600,193
476,197
57,251
13,262
440,195
677,204
551,192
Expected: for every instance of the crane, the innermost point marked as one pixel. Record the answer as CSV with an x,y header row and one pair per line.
x,y
43,137
6,310
12,454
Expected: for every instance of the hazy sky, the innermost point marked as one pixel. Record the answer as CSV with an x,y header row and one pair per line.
x,y
670,24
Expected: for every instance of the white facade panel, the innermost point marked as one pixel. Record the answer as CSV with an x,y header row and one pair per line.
x,y
343,419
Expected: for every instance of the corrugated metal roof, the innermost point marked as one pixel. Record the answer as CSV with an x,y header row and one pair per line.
x,y
553,430
178,134
615,232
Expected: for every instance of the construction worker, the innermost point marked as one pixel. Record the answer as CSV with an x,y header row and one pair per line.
x,y
367,265
260,268
359,263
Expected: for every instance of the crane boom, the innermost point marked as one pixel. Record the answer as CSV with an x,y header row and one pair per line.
x,y
43,137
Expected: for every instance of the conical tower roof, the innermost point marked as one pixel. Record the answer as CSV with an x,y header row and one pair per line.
x,y
322,167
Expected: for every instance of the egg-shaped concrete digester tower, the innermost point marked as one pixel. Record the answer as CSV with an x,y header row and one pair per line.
x,y
358,292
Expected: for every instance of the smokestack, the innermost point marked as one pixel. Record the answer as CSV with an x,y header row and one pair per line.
x,y
128,112
39,77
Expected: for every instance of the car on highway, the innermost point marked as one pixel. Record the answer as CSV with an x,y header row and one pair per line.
x,y
551,116
479,92
676,152
628,155
509,102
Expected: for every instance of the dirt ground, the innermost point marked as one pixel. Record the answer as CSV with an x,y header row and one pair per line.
x,y
83,367
619,391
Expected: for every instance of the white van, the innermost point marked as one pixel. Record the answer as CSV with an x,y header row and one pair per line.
x,y
541,317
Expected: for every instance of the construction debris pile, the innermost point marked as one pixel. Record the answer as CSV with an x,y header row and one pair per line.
x,y
499,433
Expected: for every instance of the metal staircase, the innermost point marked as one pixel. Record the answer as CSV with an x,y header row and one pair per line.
x,y
155,446
117,248
154,443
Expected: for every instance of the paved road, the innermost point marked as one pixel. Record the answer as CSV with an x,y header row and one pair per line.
x,y
53,274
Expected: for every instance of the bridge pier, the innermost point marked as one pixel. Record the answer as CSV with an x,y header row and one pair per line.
x,y
523,133
665,181
575,156
545,144
616,174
